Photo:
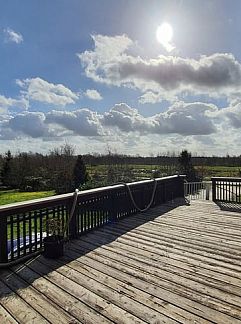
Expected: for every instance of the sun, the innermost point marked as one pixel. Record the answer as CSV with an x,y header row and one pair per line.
x,y
164,34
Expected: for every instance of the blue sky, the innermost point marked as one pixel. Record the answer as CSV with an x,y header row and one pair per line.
x,y
92,73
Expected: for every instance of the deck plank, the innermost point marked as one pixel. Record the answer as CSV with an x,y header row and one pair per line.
x,y
172,264
114,279
68,302
149,283
174,283
17,307
104,307
5,317
126,303
38,301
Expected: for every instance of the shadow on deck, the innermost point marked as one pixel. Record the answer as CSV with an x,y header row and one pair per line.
x,y
174,263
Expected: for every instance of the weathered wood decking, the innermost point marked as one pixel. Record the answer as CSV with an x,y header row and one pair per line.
x,y
171,264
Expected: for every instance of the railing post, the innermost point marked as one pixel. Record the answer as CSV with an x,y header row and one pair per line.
x,y
207,191
214,189
3,240
73,207
181,192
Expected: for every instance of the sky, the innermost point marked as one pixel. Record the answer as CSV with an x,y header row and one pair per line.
x,y
129,76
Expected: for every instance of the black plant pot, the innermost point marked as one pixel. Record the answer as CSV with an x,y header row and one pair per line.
x,y
53,246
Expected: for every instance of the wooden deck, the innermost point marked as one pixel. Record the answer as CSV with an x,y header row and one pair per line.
x,y
173,264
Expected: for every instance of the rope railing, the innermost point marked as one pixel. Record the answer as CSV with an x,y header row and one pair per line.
x,y
133,201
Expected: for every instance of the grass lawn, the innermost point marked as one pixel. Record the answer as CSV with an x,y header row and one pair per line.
x,y
12,196
218,171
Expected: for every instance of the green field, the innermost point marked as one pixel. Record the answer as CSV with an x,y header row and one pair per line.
x,y
12,196
218,171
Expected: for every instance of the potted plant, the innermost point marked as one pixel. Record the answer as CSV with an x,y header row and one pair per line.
x,y
54,243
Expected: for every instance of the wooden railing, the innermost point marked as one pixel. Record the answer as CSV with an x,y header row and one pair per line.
x,y
226,189
24,225
197,190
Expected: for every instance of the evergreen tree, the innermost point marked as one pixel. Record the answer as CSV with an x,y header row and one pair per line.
x,y
6,170
80,174
186,167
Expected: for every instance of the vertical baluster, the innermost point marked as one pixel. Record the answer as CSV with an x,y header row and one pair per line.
x,y
35,230
54,213
239,193
236,189
227,198
223,188
229,190
84,221
18,236
57,216
62,218
96,217
24,233
41,228
30,231
12,220
88,220
81,219
91,221
78,218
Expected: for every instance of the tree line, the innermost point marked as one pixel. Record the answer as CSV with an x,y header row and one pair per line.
x,y
63,171
60,170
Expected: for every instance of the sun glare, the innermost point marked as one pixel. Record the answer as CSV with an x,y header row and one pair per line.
x,y
164,34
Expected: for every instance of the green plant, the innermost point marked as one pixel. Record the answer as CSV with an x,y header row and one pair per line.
x,y
54,227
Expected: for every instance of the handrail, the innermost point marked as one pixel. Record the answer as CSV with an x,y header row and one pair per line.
x,y
67,196
229,179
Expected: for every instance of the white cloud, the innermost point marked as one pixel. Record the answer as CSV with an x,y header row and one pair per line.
x,y
30,123
40,90
209,130
232,115
12,36
128,119
107,50
161,77
93,94
151,97
6,103
83,122
181,118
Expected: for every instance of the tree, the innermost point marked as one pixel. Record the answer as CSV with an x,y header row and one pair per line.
x,y
6,170
61,165
186,167
80,174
